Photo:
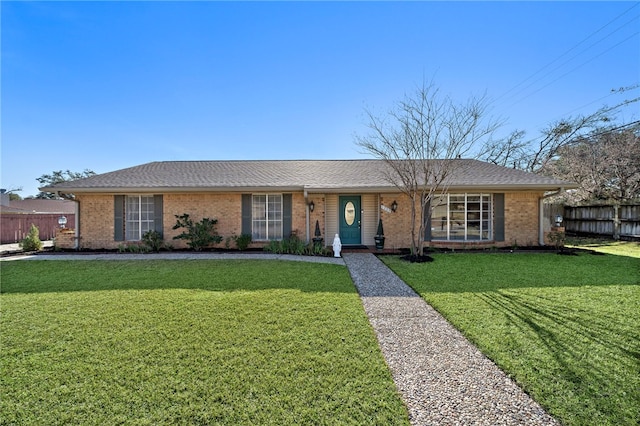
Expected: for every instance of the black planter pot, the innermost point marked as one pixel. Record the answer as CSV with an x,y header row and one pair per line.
x,y
379,242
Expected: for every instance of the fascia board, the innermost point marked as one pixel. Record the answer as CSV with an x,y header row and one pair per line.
x,y
307,188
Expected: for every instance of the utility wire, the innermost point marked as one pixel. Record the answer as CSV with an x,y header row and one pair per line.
x,y
571,59
573,69
613,92
567,52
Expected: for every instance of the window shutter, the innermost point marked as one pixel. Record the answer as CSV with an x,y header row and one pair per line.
x,y
246,214
427,222
118,217
286,215
157,214
498,216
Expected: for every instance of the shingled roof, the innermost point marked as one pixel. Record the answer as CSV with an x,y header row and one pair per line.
x,y
40,206
291,175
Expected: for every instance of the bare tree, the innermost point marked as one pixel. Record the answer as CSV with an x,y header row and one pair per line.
x,y
420,140
507,152
605,164
533,155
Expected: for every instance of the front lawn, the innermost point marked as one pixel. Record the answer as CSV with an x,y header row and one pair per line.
x,y
620,248
188,342
566,328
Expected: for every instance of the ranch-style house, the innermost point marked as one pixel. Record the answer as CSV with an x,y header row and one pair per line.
x,y
485,205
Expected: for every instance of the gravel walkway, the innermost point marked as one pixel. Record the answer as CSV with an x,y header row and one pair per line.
x,y
442,378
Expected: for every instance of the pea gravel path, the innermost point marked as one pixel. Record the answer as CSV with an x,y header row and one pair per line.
x,y
442,378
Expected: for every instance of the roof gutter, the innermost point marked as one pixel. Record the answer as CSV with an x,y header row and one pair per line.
x,y
308,189
541,213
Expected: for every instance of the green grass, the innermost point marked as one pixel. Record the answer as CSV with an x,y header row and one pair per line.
x,y
619,248
566,328
188,342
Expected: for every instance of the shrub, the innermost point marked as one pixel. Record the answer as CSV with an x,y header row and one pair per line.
x,y
274,247
198,235
242,241
32,241
294,245
153,240
557,238
134,247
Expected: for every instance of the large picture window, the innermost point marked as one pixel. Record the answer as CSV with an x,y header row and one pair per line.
x,y
139,216
462,217
266,217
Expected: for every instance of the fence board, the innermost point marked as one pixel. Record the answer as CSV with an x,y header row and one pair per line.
x,y
14,227
601,220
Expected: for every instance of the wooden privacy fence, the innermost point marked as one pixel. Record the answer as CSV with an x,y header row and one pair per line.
x,y
14,227
616,221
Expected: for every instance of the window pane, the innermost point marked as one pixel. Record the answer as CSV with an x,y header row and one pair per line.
x,y
275,230
259,210
439,222
473,230
133,208
259,230
462,217
267,217
274,217
139,216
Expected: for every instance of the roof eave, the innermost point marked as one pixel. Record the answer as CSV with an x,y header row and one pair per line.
x,y
307,188
170,189
513,187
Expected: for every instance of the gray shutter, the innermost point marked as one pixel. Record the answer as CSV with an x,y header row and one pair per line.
x,y
427,222
118,217
246,214
157,213
498,216
286,215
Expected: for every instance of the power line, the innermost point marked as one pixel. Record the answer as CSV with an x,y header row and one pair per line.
x,y
568,51
613,92
572,58
574,69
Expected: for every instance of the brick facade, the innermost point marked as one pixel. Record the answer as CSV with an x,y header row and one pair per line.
x,y
521,222
226,208
522,218
96,221
65,239
97,212
97,218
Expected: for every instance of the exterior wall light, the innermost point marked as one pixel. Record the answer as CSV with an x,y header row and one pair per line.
x,y
394,206
558,220
62,221
312,206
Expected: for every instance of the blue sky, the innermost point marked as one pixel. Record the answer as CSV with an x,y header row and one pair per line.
x,y
103,86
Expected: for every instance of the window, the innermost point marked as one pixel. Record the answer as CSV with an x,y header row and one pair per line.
x,y
139,216
266,217
462,217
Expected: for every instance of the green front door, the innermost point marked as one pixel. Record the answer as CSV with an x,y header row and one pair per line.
x,y
350,220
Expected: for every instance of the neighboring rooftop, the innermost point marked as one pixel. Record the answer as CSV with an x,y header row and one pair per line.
x,y
39,206
291,175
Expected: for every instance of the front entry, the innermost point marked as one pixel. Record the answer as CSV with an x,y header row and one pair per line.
x,y
349,210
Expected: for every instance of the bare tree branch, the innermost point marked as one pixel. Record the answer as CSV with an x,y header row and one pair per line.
x,y
420,140
534,154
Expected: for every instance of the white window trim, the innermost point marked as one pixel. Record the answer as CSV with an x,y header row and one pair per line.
x,y
128,223
267,220
490,213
